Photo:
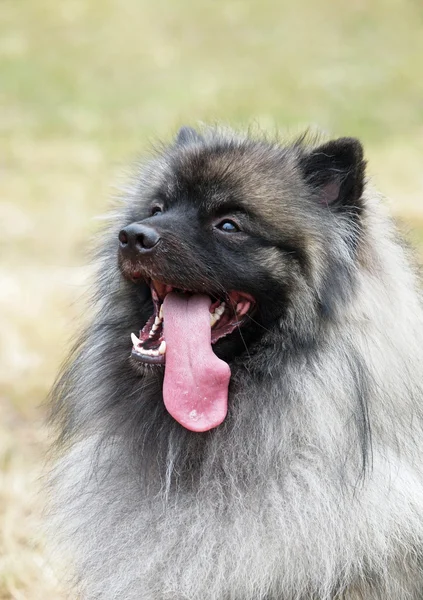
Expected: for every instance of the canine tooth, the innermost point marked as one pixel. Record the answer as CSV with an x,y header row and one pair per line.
x,y
161,312
220,309
135,340
212,319
157,321
162,348
155,327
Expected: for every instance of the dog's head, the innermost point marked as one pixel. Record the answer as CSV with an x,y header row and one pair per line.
x,y
234,239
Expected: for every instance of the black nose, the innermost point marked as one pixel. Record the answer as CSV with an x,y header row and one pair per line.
x,y
138,238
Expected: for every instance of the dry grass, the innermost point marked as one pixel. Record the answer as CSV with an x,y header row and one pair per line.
x,y
85,86
25,571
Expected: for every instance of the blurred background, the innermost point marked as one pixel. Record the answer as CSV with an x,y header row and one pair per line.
x,y
86,86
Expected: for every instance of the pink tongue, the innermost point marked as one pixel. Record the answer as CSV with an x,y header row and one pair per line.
x,y
195,388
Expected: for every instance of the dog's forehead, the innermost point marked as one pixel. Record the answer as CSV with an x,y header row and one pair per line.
x,y
211,178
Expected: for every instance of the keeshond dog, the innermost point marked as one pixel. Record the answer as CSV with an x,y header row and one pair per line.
x,y
242,419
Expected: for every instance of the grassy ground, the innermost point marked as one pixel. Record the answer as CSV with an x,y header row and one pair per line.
x,y
86,85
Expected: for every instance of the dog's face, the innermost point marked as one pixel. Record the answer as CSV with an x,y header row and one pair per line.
x,y
229,233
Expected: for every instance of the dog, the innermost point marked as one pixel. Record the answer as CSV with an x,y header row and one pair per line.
x,y
242,418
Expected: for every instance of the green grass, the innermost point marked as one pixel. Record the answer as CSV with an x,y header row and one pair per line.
x,y
87,85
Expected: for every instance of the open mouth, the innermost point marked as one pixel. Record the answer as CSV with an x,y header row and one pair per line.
x,y
226,315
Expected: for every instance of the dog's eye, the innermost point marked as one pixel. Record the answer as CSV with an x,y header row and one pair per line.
x,y
156,210
228,226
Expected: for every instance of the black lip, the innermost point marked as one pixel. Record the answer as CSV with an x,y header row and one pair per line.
x,y
151,360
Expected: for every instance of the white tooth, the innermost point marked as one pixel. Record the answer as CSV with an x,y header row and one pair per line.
x,y
220,310
153,330
161,312
212,320
157,321
135,340
154,352
162,347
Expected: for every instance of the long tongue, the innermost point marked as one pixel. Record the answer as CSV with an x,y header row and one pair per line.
x,y
195,388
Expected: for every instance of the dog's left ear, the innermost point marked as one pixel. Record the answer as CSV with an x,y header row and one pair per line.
x,y
336,172
187,136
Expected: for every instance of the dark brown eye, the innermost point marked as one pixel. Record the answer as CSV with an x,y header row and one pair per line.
x,y
228,226
156,210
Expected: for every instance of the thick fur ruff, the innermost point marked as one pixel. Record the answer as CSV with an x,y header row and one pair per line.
x,y
312,488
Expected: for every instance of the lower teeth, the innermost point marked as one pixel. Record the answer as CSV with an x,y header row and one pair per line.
x,y
145,352
161,350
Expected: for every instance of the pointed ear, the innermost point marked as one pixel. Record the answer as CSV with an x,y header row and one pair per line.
x,y
336,172
187,136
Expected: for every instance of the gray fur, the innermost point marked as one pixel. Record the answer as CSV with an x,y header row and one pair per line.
x,y
313,486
